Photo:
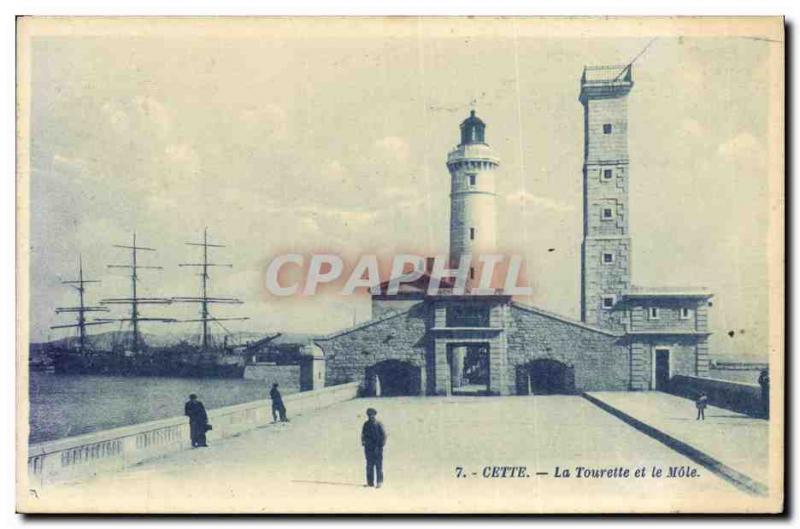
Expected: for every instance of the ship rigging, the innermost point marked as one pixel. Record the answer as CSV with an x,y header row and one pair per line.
x,y
204,300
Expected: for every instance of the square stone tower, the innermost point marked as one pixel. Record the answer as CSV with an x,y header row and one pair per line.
x,y
606,248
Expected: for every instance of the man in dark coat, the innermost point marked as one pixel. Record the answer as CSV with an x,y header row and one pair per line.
x,y
373,438
701,403
278,409
198,421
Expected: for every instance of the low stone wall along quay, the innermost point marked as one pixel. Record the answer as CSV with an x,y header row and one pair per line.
x,y
736,396
79,457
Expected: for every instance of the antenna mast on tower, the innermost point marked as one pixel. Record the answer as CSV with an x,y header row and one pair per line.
x,y
204,299
134,301
628,66
81,310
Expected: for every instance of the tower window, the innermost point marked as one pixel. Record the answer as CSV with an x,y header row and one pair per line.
x,y
472,273
608,174
607,128
472,234
653,314
686,313
472,179
608,213
608,257
608,302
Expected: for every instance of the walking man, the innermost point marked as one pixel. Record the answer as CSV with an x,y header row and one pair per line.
x,y
373,438
278,409
198,421
701,403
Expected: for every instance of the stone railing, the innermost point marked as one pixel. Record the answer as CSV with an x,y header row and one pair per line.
x,y
83,456
736,396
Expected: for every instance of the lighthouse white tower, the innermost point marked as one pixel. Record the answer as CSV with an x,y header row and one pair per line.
x,y
473,208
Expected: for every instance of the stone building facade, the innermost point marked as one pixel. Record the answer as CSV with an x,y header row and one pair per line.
x,y
605,252
411,351
629,338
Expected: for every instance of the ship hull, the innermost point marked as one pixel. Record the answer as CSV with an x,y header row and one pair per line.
x,y
151,364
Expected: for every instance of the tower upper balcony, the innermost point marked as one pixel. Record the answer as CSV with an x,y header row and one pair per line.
x,y
606,81
476,153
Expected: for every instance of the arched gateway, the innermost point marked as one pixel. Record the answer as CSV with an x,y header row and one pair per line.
x,y
545,376
392,378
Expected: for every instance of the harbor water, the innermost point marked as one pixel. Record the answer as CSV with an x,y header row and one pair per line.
x,y
67,405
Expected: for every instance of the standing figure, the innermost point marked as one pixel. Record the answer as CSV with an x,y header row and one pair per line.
x,y
376,385
373,438
198,421
763,381
278,409
701,403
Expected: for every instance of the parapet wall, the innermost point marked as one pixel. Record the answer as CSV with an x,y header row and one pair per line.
x,y
736,396
84,456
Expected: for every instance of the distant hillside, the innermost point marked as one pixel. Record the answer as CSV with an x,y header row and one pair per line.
x,y
740,359
107,340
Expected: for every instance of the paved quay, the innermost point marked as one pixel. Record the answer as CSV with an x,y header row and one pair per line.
x,y
736,440
316,462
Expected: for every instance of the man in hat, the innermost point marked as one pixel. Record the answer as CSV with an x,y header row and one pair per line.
x,y
198,421
701,402
373,438
278,408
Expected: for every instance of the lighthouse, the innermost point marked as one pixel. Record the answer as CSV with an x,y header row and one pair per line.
x,y
473,209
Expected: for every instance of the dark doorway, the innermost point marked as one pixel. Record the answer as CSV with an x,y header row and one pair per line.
x,y
392,378
662,369
545,377
469,368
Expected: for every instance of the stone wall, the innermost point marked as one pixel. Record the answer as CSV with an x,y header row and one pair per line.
x,y
688,356
736,396
600,279
395,337
669,315
386,307
605,153
84,456
600,359
602,147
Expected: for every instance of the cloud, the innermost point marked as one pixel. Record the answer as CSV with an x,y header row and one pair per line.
x,y
68,167
693,127
530,203
137,114
743,144
393,149
265,122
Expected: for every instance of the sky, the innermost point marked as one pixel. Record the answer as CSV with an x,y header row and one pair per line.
x,y
288,137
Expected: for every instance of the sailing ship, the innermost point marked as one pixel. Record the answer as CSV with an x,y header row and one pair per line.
x,y
129,354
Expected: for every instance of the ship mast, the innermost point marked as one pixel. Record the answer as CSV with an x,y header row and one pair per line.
x,y
134,301
81,310
205,300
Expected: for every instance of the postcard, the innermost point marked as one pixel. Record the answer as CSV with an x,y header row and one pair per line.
x,y
400,265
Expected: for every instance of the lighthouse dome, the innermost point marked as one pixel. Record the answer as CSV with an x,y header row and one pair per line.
x,y
472,130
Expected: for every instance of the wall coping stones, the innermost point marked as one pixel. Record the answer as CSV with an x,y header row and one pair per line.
x,y
364,324
565,319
